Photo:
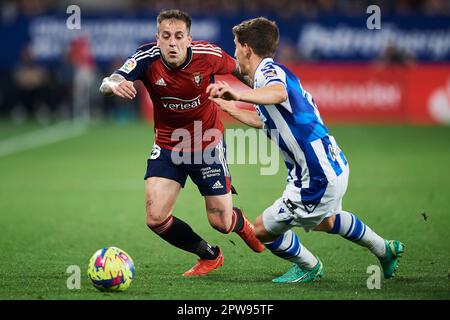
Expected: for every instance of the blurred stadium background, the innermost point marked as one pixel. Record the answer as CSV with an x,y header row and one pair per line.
x,y
397,74
385,94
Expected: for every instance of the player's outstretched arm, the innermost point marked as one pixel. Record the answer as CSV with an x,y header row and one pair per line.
x,y
271,94
117,85
247,117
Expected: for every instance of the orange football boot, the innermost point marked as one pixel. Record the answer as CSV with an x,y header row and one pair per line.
x,y
203,267
248,235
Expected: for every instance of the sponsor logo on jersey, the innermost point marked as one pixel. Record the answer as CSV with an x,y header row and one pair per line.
x,y
174,103
129,65
197,78
270,73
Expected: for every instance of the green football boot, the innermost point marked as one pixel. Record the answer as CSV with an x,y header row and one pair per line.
x,y
389,263
297,274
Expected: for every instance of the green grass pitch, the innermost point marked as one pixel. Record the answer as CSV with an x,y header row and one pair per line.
x,y
61,202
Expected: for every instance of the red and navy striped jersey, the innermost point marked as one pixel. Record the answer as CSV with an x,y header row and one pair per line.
x,y
179,94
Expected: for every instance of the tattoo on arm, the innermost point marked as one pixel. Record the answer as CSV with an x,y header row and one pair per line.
x,y
116,77
105,88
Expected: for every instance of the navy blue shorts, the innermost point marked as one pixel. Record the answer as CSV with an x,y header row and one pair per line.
x,y
207,169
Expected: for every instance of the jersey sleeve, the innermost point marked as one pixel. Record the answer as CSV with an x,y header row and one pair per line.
x,y
224,65
135,66
271,74
220,61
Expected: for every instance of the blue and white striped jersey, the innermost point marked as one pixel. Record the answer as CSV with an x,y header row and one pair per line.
x,y
311,155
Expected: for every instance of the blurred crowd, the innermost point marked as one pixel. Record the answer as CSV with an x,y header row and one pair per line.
x,y
281,8
67,90
30,90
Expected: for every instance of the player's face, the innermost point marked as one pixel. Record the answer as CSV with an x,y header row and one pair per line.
x,y
173,38
241,56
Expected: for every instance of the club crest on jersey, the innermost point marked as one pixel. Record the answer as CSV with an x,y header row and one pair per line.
x,y
197,78
129,65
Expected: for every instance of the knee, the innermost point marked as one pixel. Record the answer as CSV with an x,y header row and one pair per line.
x,y
155,218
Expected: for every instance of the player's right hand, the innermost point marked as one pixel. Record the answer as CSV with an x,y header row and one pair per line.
x,y
124,89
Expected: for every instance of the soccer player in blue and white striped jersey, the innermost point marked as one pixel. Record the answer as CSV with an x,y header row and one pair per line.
x,y
317,168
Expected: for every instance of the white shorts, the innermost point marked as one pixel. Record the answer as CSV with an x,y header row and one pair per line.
x,y
278,218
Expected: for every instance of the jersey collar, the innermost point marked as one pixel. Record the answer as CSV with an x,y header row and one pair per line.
x,y
185,63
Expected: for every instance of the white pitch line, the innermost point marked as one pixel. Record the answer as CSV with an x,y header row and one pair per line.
x,y
42,137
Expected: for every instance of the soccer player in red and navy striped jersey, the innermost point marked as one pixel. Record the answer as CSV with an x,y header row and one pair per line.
x,y
176,72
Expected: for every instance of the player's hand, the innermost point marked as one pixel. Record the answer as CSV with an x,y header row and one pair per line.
x,y
124,89
225,105
221,89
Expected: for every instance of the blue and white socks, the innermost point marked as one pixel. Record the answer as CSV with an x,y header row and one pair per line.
x,y
288,247
351,228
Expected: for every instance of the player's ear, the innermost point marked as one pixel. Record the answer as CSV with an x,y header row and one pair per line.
x,y
189,40
247,50
157,39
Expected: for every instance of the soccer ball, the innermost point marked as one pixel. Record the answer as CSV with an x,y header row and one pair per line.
x,y
111,269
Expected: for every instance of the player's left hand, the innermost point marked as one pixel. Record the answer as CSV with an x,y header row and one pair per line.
x,y
223,90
